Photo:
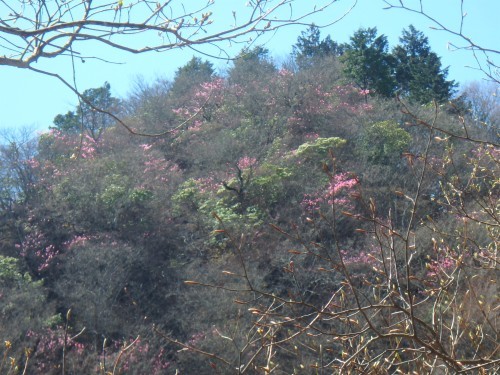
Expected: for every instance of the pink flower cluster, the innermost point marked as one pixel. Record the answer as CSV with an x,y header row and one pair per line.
x,y
140,353
157,168
35,244
76,241
335,193
145,146
49,346
440,267
212,89
362,258
246,162
32,163
195,339
285,73
73,145
205,101
311,136
207,184
46,255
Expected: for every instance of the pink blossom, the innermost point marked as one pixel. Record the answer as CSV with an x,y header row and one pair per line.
x,y
361,258
336,192
285,73
246,162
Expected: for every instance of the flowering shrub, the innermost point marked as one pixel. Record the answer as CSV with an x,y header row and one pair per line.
x,y
134,356
37,248
336,193
120,356
246,162
23,304
65,146
48,350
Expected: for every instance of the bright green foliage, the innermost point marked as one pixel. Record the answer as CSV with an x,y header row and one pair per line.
x,y
112,194
140,195
11,275
231,216
22,300
319,147
368,64
187,196
9,271
419,75
384,141
216,209
270,185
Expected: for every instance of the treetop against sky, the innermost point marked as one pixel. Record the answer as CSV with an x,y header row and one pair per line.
x,y
32,99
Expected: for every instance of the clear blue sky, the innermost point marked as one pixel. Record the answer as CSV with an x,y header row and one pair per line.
x,y
28,99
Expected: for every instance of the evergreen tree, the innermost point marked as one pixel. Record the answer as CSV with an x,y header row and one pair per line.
x,y
367,62
418,70
251,65
310,48
190,75
86,118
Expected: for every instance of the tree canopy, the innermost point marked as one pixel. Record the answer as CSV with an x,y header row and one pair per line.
x,y
310,47
368,63
418,70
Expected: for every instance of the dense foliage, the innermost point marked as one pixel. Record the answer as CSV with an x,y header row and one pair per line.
x,y
322,225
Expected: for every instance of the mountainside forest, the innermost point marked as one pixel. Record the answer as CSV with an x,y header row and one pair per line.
x,y
336,212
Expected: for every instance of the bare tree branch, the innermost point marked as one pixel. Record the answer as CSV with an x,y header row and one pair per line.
x,y
483,55
38,30
47,30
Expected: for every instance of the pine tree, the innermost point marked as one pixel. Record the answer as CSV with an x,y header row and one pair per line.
x,y
367,62
310,48
419,75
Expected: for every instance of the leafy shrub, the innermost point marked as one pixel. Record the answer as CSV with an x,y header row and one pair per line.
x,y
383,142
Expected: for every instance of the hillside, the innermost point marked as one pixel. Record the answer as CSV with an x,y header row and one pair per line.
x,y
320,216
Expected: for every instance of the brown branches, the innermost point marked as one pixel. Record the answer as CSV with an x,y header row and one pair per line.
x,y
465,136
38,30
47,30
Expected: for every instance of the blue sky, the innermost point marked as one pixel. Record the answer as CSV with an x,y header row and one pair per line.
x,y
29,99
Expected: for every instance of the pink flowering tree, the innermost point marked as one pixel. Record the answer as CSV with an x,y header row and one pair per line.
x,y
314,105
205,101
335,194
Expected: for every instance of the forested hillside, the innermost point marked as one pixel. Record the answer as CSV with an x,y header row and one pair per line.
x,y
336,212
